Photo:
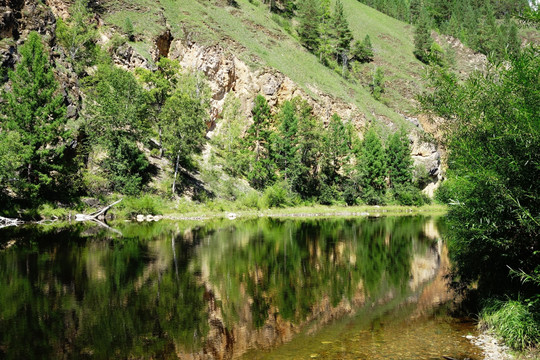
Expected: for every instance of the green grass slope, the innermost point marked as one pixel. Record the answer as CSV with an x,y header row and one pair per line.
x,y
250,32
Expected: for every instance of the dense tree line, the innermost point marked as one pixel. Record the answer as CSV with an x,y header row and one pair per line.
x,y
292,149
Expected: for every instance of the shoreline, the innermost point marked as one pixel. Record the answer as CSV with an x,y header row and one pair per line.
x,y
317,211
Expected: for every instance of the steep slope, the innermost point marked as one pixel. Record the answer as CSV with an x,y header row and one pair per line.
x,y
251,34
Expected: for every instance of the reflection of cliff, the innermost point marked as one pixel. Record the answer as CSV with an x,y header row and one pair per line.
x,y
300,277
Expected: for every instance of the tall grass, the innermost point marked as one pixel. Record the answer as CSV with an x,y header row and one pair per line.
x,y
513,322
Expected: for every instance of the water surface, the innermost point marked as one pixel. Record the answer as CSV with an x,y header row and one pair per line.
x,y
364,288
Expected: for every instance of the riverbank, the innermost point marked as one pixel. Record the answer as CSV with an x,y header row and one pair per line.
x,y
315,211
152,207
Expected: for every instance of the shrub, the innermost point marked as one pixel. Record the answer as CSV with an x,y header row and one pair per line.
x,y
145,205
275,196
513,322
410,196
251,200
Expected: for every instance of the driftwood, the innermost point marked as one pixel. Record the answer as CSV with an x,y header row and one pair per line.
x,y
5,222
95,215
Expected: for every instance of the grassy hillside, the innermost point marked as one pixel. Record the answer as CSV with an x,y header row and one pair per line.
x,y
253,34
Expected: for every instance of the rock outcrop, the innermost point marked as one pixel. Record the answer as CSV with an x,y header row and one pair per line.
x,y
228,74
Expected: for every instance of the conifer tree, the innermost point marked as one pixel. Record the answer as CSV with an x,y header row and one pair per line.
x,y
304,176
326,39
343,34
372,168
513,42
159,85
363,51
422,38
335,151
415,8
399,159
285,143
184,118
258,138
308,29
34,110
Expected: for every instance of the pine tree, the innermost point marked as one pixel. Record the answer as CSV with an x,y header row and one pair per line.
x,y
377,84
372,168
326,39
308,29
335,151
363,51
285,144
305,178
259,140
343,34
399,159
35,111
422,39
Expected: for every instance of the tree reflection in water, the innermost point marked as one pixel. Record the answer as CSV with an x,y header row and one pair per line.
x,y
167,289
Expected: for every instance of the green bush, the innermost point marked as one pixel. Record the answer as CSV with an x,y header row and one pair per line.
x,y
251,200
513,322
145,205
410,196
275,196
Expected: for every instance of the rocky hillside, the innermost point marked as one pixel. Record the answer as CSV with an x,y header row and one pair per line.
x,y
245,50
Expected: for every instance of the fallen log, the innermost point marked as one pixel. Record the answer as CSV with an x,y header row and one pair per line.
x,y
95,215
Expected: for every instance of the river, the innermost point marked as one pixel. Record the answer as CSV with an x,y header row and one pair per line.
x,y
338,288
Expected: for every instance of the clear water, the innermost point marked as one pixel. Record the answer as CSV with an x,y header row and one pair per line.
x,y
254,289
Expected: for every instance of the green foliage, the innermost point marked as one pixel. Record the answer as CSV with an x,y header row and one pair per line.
x,y
398,155
128,29
228,142
409,195
11,158
363,51
115,118
276,196
493,136
285,141
377,83
33,115
144,205
159,86
78,36
513,322
334,155
372,168
304,177
261,172
422,39
342,33
308,29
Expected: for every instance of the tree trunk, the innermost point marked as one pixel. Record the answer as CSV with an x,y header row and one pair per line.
x,y
175,173
160,142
